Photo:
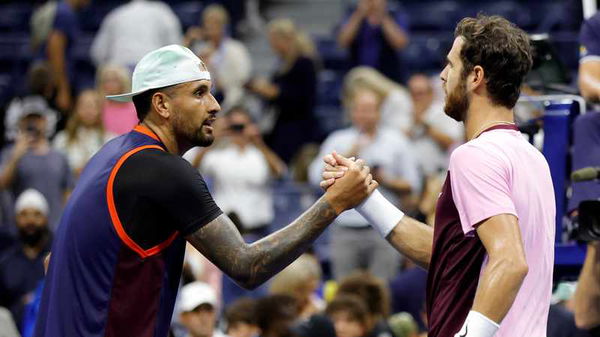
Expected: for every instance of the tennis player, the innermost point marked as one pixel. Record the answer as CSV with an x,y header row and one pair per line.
x,y
118,253
490,254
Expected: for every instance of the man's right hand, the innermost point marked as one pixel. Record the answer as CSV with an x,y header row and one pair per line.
x,y
351,189
22,144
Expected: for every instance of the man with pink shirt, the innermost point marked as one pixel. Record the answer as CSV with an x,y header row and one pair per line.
x,y
490,254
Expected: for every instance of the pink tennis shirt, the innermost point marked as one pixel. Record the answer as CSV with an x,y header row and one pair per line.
x,y
496,173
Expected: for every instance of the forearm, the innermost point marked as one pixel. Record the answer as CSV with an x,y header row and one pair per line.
x,y
399,186
413,239
56,58
443,140
252,264
587,295
393,33
8,173
349,30
498,287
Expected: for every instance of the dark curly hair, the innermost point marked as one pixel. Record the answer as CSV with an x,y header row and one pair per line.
x,y
503,51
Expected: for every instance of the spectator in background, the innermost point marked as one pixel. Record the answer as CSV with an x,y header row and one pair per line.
x,y
7,324
22,266
396,107
292,90
227,59
84,134
277,315
57,45
32,163
432,132
374,37
586,128
301,279
350,316
117,117
198,304
247,192
38,98
241,318
408,292
132,30
587,295
375,294
354,244
561,321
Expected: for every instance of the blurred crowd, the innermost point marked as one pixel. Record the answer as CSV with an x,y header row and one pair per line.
x,y
269,135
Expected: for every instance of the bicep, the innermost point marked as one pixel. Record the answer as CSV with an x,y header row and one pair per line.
x,y
219,241
501,236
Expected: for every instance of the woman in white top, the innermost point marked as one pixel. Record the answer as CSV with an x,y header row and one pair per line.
x,y
84,134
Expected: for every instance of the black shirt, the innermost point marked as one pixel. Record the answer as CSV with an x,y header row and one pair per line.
x,y
154,203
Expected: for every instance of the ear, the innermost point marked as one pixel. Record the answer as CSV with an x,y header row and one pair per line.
x,y
476,79
162,104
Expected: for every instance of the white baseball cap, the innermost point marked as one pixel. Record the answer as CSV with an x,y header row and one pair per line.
x,y
169,65
197,293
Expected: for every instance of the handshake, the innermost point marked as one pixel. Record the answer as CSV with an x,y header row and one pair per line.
x,y
348,184
347,181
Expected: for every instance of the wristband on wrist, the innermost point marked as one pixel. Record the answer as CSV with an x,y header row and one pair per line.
x,y
477,325
380,213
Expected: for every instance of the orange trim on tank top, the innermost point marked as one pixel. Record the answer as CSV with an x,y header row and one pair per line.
x,y
144,130
113,210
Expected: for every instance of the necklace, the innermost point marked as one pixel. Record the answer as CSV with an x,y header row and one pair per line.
x,y
488,125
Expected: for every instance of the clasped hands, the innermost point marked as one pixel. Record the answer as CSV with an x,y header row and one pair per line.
x,y
347,182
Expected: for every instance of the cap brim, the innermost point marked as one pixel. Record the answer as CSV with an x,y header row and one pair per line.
x,y
125,97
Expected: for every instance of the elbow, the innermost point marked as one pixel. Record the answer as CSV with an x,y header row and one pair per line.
x,y
518,268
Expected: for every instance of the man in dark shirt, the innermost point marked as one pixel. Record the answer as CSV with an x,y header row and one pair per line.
x,y
21,266
118,253
374,37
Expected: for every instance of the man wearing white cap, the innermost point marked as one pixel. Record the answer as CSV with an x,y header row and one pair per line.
x,y
117,258
21,266
198,304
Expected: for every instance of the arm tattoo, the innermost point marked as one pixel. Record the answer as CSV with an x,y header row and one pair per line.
x,y
252,264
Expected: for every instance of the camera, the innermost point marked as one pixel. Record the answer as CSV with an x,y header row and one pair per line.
x,y
237,127
589,221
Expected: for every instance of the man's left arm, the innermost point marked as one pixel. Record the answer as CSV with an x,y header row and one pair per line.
x,y
501,279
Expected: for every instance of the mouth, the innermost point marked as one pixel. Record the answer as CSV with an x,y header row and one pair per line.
x,y
207,125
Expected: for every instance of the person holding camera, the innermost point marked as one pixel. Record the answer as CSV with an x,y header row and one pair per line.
x,y
32,163
246,192
587,295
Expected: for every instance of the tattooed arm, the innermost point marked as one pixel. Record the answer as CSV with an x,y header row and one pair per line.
x,y
252,264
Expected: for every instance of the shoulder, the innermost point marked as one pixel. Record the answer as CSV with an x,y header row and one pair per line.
x,y
159,161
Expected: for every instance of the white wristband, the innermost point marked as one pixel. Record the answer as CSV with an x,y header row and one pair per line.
x,y
477,325
380,213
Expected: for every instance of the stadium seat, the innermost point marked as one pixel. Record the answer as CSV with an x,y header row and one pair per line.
x,y
434,16
14,17
188,12
426,52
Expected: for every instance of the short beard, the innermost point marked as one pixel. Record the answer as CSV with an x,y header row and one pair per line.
x,y
458,102
190,135
34,238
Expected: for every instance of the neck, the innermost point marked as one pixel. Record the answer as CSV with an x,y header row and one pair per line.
x,y
482,115
166,136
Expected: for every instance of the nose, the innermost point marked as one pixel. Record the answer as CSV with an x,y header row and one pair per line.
x,y
214,106
444,74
